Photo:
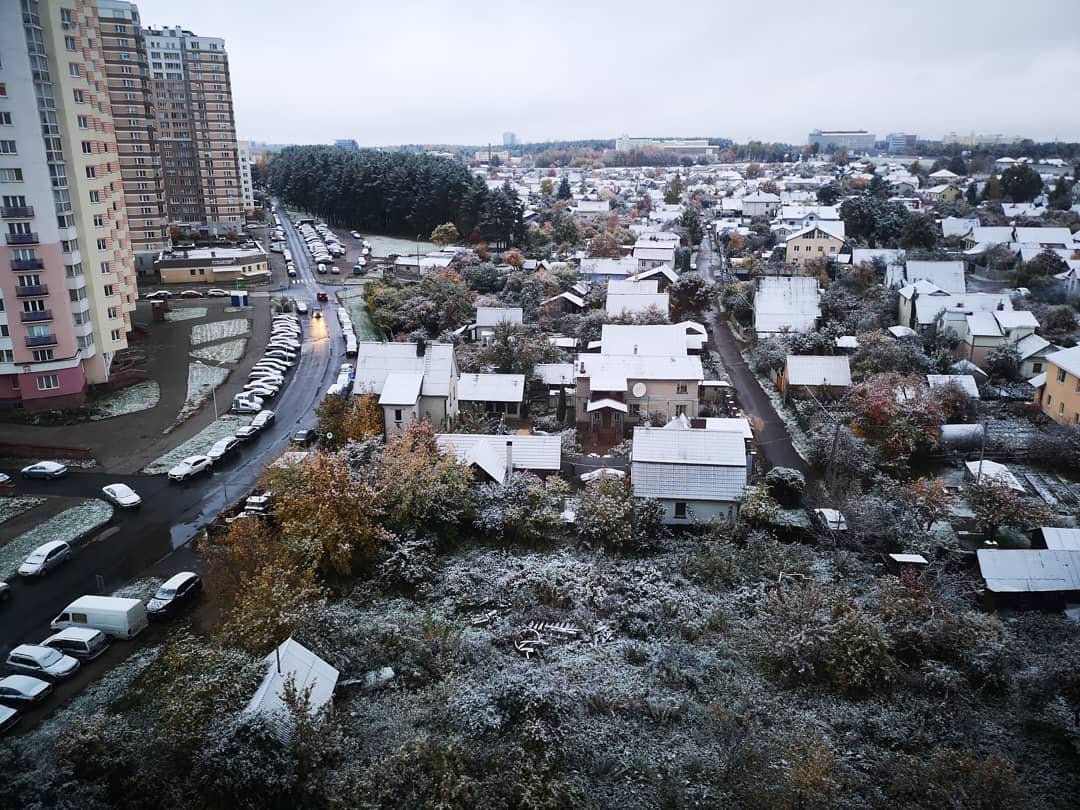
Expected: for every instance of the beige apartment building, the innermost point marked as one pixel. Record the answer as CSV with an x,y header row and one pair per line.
x,y
132,99
196,128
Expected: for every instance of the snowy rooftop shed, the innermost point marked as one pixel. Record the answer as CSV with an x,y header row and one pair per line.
x,y
293,659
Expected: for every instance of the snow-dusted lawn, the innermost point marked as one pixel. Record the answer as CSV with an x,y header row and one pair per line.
x,y
69,525
219,330
229,351
202,380
186,314
139,589
199,443
12,507
139,397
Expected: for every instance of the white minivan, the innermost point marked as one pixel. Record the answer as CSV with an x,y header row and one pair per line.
x,y
301,307
113,616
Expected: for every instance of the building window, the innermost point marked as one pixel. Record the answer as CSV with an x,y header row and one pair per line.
x,y
11,176
7,148
108,290
113,313
117,334
680,510
78,96
1061,375
680,388
3,90
74,70
1049,399
99,221
1036,368
69,43
5,119
105,268
48,382
397,415
43,355
680,410
103,244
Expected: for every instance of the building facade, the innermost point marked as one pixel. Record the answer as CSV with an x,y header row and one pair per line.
x,y
247,190
854,140
213,265
197,129
67,288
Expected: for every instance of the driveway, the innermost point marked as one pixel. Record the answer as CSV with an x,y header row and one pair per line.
x,y
773,439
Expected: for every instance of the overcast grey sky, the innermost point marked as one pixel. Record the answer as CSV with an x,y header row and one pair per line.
x,y
423,71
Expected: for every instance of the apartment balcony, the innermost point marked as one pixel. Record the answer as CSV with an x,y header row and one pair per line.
x,y
36,317
31,290
36,341
27,264
17,211
22,238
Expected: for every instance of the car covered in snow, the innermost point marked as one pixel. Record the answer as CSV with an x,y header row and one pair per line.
x,y
190,467
122,495
45,469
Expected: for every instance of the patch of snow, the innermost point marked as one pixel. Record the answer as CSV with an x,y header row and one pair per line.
x,y
139,589
69,526
12,507
219,330
228,352
186,314
202,381
199,443
134,398
239,309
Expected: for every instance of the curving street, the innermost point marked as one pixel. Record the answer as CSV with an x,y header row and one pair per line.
x,y
172,514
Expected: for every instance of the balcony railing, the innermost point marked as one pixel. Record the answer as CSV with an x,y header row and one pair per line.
x,y
33,341
36,317
27,264
22,238
17,211
31,290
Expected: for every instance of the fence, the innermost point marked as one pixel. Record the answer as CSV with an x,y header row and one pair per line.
x,y
573,466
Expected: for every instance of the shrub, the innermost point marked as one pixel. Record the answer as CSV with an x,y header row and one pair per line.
x,y
785,485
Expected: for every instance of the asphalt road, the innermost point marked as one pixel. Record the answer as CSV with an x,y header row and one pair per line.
x,y
172,514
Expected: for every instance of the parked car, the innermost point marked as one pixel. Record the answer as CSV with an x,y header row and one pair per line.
x,y
262,389
301,307
5,591
354,234
45,469
263,419
23,690
245,406
122,495
335,270
281,354
173,594
216,293
115,616
291,271
42,662
303,437
84,643
8,718
45,558
191,294
190,467
156,296
6,483
246,433
222,448
288,344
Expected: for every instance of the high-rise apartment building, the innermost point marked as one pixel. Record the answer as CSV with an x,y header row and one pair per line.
x,y
196,129
132,99
247,189
66,276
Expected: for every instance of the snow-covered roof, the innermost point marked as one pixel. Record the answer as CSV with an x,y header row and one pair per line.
x,y
948,276
663,270
401,388
707,465
927,308
813,370
633,303
375,361
834,228
606,403
957,226
654,340
491,387
492,316
543,453
632,286
1030,345
1030,570
576,300
902,331
620,267
965,381
847,342
995,472
1056,538
732,424
555,373
786,301
308,671
1067,360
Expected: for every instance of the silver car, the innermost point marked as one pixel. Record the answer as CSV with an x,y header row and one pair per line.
x,y
42,662
45,558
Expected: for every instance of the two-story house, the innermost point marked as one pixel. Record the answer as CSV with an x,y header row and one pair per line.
x,y
821,240
638,370
414,381
1058,393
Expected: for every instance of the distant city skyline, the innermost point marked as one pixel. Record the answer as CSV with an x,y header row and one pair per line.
x,y
961,67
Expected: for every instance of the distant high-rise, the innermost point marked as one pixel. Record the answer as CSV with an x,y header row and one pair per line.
x,y
901,141
197,130
66,275
347,143
510,139
247,190
854,140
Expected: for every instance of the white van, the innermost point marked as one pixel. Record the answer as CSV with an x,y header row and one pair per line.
x,y
301,307
114,616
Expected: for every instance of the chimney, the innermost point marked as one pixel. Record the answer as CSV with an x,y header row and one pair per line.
x,y
421,347
635,348
582,371
509,456
212,254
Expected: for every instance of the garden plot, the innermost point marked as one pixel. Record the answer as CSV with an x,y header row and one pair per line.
x,y
186,314
134,398
13,507
229,351
198,444
69,526
357,305
219,330
202,380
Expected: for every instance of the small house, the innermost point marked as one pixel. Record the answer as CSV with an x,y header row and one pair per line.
x,y
492,393
820,376
497,456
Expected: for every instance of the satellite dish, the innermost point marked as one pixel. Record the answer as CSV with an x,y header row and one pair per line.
x,y
639,389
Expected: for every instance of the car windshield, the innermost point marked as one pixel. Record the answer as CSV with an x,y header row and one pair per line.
x,y
36,557
165,593
49,658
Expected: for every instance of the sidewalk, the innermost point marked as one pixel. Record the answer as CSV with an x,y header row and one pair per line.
x,y
773,439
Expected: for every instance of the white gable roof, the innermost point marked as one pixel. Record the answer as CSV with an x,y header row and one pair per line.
x,y
949,276
705,465
1066,359
786,301
375,361
965,381
555,373
633,303
543,453
491,388
401,388
307,670
812,370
